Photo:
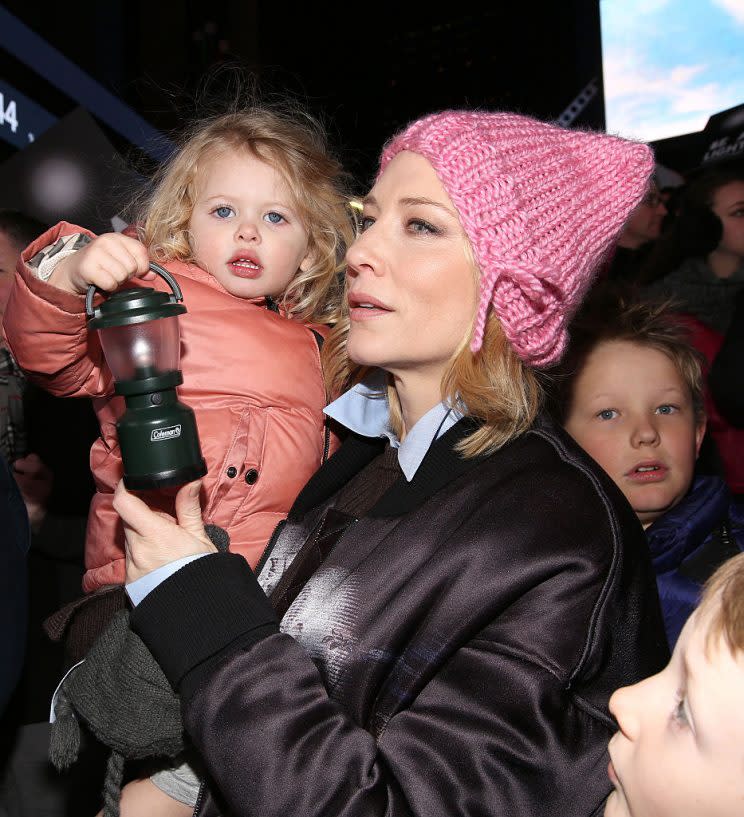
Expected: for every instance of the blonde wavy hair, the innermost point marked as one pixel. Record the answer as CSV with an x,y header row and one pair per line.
x,y
493,386
295,144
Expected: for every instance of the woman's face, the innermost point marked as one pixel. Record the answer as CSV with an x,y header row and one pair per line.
x,y
412,289
728,205
644,223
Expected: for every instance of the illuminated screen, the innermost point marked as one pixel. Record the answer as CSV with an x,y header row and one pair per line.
x,y
670,64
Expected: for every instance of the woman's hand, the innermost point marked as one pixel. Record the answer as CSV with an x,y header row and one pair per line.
x,y
154,538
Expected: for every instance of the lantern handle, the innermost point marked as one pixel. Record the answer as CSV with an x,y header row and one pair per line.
x,y
175,297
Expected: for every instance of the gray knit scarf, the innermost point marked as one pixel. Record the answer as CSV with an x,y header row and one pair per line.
x,y
122,696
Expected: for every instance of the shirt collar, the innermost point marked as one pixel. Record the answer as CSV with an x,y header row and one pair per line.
x,y
364,410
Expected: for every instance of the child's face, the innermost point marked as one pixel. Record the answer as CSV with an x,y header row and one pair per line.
x,y
632,412
680,748
244,228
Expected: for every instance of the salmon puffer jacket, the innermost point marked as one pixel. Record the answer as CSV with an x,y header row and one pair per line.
x,y
253,378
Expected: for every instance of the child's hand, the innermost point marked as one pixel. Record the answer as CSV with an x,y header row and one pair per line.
x,y
107,262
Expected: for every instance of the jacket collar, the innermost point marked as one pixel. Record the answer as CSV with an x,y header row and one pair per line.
x,y
196,273
364,409
678,532
441,464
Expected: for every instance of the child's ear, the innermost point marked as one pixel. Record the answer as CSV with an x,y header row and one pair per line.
x,y
700,427
307,262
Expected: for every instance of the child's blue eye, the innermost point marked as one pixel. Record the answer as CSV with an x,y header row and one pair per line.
x,y
274,218
666,409
607,414
223,211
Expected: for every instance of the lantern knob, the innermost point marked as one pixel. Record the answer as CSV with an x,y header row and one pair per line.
x,y
175,297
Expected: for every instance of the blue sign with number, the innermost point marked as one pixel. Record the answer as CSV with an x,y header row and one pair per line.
x,y
21,120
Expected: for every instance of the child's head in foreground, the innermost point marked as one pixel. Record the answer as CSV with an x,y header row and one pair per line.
x,y
680,748
630,393
256,199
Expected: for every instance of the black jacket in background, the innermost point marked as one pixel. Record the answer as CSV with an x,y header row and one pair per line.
x,y
14,544
726,378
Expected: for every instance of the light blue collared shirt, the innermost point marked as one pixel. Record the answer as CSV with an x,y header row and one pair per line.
x,y
364,410
139,588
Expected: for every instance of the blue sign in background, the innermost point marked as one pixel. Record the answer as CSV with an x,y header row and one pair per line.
x,y
31,49
21,120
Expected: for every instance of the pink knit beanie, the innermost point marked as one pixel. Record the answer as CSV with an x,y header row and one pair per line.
x,y
541,206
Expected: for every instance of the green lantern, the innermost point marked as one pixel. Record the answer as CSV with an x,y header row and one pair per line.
x,y
138,330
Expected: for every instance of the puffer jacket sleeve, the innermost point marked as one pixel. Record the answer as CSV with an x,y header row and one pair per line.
x,y
46,330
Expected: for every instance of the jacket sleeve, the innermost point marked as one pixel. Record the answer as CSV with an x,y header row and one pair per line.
x,y
46,330
490,730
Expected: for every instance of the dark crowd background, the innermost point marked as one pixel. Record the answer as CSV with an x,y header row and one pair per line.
x,y
367,68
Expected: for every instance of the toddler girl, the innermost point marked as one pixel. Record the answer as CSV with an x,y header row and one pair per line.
x,y
251,219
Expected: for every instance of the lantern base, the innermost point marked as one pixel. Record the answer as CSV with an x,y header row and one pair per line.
x,y
164,479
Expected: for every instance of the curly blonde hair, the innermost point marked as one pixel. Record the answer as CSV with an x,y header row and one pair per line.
x,y
294,143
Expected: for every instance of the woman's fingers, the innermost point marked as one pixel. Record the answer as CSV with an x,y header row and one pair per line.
x,y
188,510
153,538
135,514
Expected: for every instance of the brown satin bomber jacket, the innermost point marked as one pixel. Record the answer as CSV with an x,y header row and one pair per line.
x,y
451,653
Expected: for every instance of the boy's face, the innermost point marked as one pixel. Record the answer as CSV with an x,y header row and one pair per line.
x,y
632,412
680,748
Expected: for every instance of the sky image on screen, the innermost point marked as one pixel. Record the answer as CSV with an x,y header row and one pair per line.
x,y
670,64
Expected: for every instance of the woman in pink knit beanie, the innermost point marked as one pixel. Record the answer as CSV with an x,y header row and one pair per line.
x,y
438,625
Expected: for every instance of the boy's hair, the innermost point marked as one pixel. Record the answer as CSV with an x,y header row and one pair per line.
x,y
615,315
20,228
294,143
723,599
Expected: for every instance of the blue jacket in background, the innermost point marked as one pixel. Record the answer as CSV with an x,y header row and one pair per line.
x,y
14,544
687,544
